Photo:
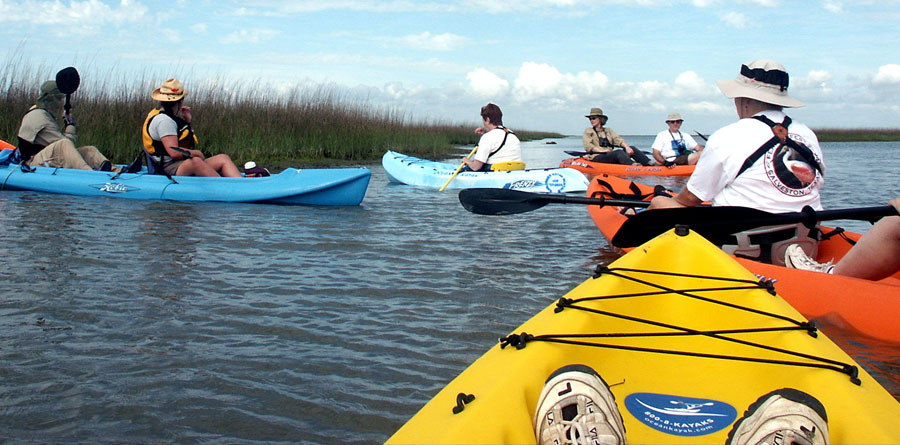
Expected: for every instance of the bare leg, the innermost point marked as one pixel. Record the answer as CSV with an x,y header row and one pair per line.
x,y
195,167
876,255
222,163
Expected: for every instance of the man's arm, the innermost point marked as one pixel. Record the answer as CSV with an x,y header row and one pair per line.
x,y
684,198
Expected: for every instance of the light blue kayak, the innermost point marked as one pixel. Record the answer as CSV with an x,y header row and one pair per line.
x,y
327,187
415,171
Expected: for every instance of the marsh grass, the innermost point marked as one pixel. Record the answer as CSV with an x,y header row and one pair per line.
x,y
858,134
315,125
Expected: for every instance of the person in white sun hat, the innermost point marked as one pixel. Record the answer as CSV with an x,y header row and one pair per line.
x,y
672,147
764,161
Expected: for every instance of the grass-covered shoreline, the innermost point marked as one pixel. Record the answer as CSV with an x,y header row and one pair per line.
x,y
857,134
303,127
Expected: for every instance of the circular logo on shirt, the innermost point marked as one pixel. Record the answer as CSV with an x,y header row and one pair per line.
x,y
788,172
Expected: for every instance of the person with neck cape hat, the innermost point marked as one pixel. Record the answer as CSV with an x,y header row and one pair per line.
x,y
43,143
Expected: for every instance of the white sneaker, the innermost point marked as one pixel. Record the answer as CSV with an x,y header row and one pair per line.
x,y
577,407
796,258
786,416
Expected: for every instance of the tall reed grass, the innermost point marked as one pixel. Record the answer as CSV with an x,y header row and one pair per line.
x,y
303,126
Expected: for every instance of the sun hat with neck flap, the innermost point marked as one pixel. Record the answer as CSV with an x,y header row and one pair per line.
x,y
764,80
170,91
50,95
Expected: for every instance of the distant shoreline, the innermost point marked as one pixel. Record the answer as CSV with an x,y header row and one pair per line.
x,y
857,134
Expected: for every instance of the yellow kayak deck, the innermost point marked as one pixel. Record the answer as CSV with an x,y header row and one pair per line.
x,y
686,338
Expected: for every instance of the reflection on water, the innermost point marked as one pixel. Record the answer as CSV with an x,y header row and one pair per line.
x,y
159,321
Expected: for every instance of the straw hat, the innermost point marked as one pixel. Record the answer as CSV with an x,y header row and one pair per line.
x,y
596,112
764,80
170,91
674,117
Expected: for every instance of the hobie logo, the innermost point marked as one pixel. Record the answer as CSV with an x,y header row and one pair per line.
x,y
113,187
678,415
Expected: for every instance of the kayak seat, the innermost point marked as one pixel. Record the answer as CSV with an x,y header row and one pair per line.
x,y
508,166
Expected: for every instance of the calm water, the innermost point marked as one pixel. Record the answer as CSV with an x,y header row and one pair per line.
x,y
127,321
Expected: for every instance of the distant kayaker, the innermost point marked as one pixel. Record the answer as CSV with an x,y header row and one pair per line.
x,y
497,143
604,141
875,256
764,161
672,147
169,139
40,134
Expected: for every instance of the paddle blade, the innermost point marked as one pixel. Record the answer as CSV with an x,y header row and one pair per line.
x,y
489,201
68,80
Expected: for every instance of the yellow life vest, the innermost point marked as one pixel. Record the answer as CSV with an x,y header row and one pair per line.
x,y
186,136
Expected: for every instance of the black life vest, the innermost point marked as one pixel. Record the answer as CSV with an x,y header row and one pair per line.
x,y
27,149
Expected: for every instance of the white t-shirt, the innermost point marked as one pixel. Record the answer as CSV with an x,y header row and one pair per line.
x,y
663,143
770,184
511,151
162,125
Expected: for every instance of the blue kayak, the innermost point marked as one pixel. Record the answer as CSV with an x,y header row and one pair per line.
x,y
327,187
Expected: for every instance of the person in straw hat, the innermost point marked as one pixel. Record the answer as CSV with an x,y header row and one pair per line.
x,y
41,139
672,147
764,161
170,141
604,141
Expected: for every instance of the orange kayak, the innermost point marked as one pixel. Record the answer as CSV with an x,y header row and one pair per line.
x,y
591,168
4,145
870,307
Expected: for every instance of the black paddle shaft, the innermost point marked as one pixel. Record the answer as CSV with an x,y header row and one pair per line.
x,y
490,201
719,223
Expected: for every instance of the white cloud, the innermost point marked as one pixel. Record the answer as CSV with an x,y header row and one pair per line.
x,y
200,28
486,84
887,75
74,17
818,81
833,6
689,84
764,3
536,81
250,36
433,42
734,19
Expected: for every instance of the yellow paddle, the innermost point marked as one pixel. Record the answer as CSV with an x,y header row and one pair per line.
x,y
458,169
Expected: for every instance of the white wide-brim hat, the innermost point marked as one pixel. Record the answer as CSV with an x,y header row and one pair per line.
x,y
764,80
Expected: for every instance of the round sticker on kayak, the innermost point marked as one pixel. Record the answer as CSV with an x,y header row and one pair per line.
x,y
555,183
679,415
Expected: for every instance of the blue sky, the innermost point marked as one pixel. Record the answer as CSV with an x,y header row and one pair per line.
x,y
545,62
